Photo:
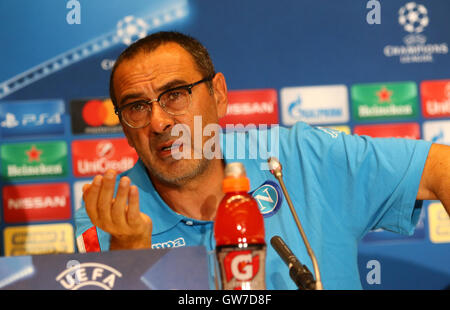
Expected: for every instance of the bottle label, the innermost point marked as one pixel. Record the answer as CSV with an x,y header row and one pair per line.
x,y
242,269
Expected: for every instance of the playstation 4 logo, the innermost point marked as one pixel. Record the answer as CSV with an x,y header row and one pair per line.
x,y
31,118
10,121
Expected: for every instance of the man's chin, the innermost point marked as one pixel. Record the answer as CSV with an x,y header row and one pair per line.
x,y
178,173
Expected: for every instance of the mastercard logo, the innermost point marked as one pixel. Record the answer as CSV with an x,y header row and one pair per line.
x,y
98,112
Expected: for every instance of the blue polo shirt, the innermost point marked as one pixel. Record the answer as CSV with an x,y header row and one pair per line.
x,y
342,186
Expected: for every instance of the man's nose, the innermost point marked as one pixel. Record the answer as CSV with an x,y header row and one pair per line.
x,y
160,120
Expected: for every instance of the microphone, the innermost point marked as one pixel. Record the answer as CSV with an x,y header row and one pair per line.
x,y
276,169
299,273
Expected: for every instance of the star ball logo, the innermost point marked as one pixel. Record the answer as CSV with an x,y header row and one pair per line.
x,y
414,18
94,116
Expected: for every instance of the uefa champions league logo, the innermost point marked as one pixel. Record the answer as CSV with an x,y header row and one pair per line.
x,y
130,29
413,17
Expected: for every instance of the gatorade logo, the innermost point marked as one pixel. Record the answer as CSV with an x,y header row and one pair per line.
x,y
241,266
268,197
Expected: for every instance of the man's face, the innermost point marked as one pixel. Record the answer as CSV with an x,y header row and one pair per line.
x,y
147,75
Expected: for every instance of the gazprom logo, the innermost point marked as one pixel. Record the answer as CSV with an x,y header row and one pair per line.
x,y
295,110
314,104
268,197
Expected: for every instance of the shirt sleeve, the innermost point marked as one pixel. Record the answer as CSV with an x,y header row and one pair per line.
x,y
367,183
88,237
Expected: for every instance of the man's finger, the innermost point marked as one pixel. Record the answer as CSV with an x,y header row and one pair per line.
x,y
133,214
118,212
90,198
106,196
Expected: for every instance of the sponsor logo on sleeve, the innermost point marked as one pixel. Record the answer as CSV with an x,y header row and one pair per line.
x,y
404,130
92,157
34,160
31,118
384,101
39,239
435,98
314,104
36,202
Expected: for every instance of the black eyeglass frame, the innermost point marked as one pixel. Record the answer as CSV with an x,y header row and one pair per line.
x,y
118,110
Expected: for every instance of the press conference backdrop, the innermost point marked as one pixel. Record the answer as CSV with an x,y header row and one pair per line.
x,y
363,67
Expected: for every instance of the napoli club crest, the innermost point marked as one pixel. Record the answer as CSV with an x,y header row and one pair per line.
x,y
269,198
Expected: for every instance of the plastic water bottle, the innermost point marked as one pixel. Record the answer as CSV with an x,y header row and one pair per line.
x,y
239,234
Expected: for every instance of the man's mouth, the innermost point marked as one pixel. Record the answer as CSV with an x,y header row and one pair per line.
x,y
167,148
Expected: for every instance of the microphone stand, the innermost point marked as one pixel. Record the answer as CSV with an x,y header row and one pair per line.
x,y
275,169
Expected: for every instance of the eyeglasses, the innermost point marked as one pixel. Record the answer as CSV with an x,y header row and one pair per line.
x,y
174,101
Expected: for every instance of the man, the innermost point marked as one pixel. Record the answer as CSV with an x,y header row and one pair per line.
x,y
342,186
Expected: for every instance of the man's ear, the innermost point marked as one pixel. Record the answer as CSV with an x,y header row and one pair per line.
x,y
220,94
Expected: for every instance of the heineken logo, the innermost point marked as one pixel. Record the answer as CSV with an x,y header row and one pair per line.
x,y
30,160
397,100
34,154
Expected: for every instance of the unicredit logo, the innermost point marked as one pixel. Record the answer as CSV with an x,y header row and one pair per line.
x,y
105,149
435,98
91,157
